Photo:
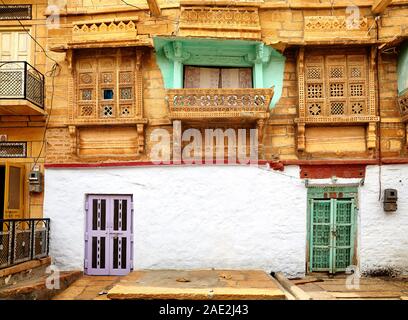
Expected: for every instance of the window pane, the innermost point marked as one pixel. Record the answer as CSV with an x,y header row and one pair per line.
x,y
14,188
107,94
236,78
196,77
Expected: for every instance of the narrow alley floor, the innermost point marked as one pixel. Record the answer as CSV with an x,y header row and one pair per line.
x,y
318,287
326,288
89,288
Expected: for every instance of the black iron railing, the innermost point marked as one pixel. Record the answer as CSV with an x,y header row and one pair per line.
x,y
23,240
20,80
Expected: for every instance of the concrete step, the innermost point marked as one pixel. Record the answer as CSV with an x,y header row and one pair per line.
x,y
197,285
36,288
23,271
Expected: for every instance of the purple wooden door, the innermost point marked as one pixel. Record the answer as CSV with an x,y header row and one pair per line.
x,y
108,236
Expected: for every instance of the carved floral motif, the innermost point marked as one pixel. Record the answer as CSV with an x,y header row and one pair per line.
x,y
213,103
225,22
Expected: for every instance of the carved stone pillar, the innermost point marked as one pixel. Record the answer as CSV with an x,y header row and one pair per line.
x,y
260,125
140,138
73,135
371,135
301,137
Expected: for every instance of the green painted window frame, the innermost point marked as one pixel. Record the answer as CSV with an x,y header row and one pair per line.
x,y
403,69
325,193
267,64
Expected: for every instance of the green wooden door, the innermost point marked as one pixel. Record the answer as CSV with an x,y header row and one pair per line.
x,y
332,229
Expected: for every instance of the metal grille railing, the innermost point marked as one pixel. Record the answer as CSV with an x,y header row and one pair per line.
x,y
22,240
20,80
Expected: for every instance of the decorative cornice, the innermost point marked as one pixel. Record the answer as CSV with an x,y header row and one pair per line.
x,y
331,27
225,22
108,30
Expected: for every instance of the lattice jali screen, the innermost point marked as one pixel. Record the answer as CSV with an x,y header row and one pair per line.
x,y
108,86
336,85
10,149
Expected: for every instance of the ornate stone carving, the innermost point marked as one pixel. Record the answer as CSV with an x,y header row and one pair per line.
x,y
330,27
336,88
107,30
119,73
73,134
219,103
403,104
140,138
226,22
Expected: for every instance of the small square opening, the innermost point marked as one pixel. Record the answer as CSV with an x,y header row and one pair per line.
x,y
107,94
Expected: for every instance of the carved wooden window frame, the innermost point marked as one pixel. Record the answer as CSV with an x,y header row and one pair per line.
x,y
328,92
91,111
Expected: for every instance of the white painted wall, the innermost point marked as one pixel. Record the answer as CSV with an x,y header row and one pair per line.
x,y
384,236
222,216
189,217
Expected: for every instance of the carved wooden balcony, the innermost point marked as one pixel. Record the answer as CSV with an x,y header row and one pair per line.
x,y
403,103
196,104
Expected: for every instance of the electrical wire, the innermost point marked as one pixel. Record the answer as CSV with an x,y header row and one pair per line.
x,y
177,21
53,72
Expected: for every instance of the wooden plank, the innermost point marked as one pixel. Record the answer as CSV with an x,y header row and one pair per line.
x,y
363,294
379,6
298,293
305,281
154,8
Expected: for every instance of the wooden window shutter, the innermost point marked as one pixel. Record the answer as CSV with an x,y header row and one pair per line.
x,y
14,191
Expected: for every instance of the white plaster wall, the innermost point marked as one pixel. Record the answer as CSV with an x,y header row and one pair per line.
x,y
189,217
384,236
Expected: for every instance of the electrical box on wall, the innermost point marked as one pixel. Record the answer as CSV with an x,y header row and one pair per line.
x,y
390,200
35,181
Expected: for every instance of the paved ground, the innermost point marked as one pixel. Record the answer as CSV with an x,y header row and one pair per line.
x,y
325,288
198,285
89,288
186,284
321,287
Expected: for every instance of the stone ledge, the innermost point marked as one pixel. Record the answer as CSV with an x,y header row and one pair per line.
x,y
25,266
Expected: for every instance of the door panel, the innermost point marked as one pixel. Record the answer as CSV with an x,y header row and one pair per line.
x,y
343,229
14,191
110,238
96,237
331,234
321,225
121,236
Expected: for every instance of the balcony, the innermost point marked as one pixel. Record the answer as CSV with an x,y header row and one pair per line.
x,y
23,240
238,104
21,89
403,103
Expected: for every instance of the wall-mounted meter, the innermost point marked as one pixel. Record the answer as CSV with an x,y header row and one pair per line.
x,y
35,181
390,200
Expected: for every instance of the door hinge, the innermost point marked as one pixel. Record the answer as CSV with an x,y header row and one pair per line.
x,y
86,236
86,205
132,205
86,264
